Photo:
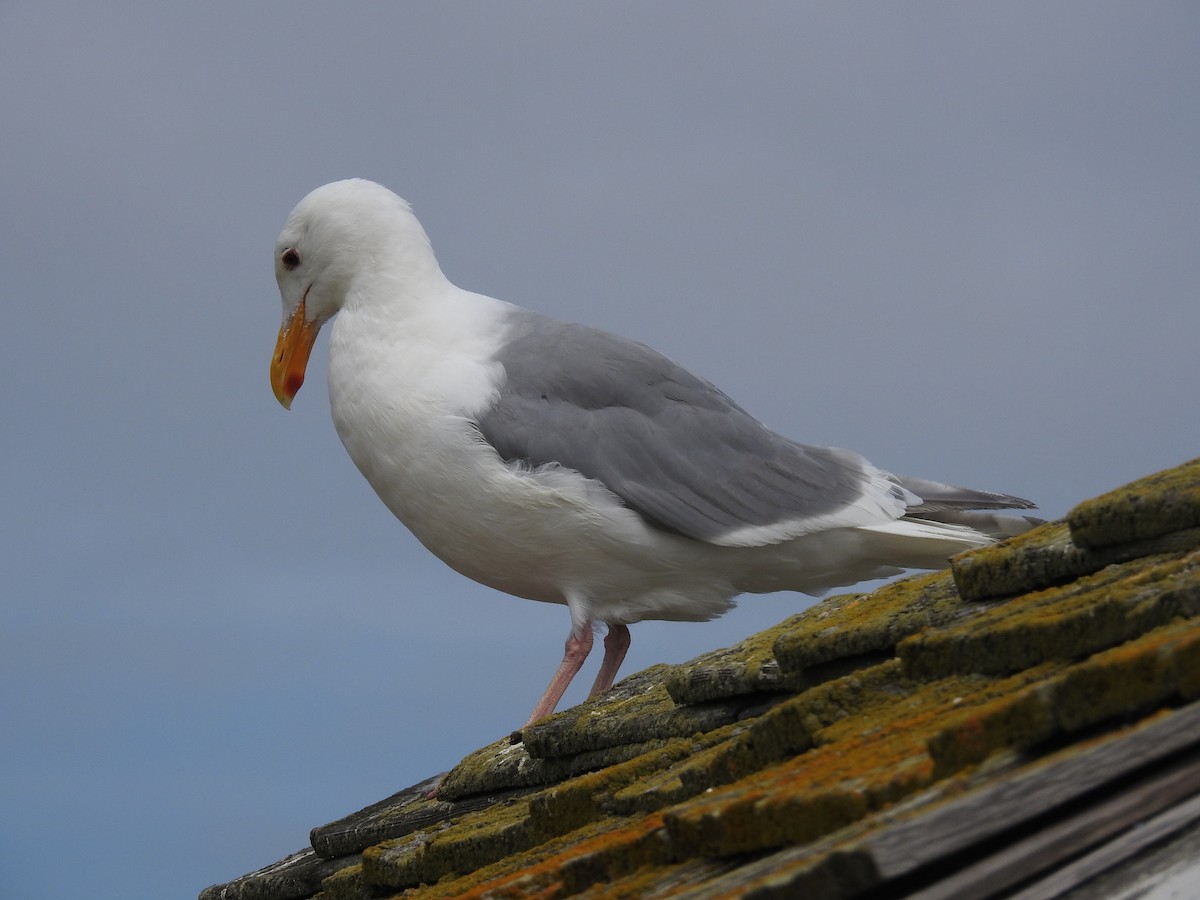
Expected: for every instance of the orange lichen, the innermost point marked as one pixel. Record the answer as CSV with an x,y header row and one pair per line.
x,y
566,867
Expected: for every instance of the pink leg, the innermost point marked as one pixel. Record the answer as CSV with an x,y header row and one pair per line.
x,y
616,643
577,649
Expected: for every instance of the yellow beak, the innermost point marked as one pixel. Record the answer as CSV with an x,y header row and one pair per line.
x,y
292,349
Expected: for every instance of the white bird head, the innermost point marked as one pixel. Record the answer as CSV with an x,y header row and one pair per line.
x,y
337,235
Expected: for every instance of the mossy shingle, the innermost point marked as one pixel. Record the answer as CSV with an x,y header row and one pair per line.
x,y
1156,505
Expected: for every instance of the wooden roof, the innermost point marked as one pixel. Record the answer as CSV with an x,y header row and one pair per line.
x,y
1025,724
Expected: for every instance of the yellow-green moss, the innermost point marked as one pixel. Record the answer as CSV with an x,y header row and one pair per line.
x,y
1069,622
1058,698
1161,666
858,625
567,865
583,799
346,884
878,757
746,667
1039,558
500,764
1157,504
635,711
1047,556
460,845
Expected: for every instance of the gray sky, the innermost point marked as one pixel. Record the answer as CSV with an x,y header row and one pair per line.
x,y
962,239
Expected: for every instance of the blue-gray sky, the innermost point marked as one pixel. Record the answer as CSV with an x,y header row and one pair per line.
x,y
960,238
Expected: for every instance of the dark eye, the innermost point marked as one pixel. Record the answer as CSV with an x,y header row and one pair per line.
x,y
290,258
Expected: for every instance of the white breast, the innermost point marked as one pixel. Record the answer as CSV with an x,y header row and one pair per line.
x,y
404,398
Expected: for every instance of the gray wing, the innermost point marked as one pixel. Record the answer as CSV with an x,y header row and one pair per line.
x,y
670,445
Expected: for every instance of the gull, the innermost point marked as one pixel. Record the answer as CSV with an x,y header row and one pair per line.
x,y
560,463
